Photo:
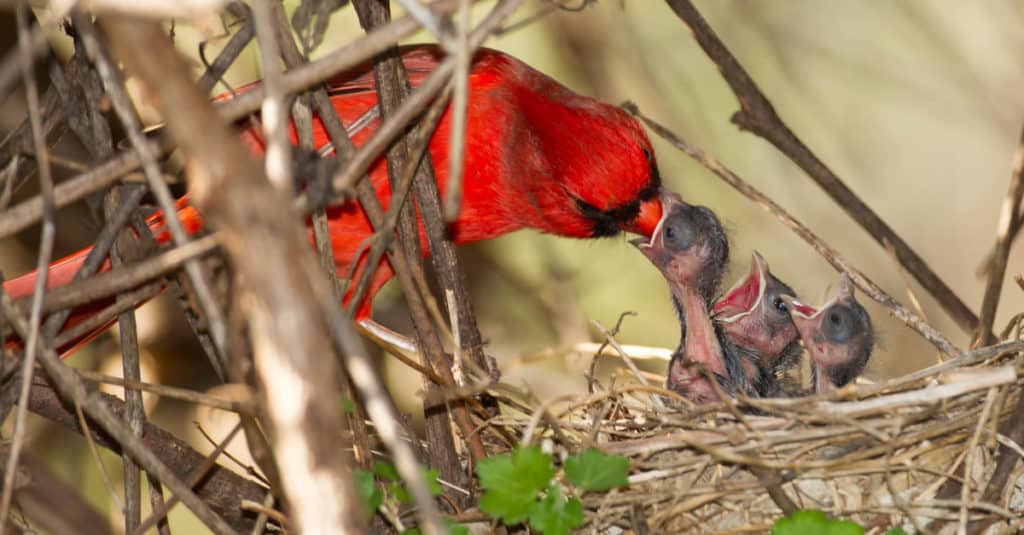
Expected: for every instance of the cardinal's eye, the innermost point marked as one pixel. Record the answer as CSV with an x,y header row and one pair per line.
x,y
780,305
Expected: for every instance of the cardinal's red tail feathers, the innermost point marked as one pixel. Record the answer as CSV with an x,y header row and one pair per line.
x,y
63,272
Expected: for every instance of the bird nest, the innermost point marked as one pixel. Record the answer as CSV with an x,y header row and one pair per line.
x,y
904,452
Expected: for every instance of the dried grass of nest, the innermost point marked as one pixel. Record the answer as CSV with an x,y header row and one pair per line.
x,y
877,454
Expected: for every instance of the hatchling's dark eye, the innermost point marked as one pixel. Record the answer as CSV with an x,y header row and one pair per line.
x,y
839,324
678,234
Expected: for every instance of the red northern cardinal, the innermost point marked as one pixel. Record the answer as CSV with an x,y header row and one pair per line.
x,y
691,250
537,156
837,335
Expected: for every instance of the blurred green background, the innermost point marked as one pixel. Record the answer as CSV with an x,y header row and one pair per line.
x,y
915,104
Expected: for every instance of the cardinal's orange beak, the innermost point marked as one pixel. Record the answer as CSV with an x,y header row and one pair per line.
x,y
647,220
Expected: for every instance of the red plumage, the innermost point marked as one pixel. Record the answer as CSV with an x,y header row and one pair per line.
x,y
537,156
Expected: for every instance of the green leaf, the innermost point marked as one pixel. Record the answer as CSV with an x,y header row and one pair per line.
x,y
593,470
453,529
431,476
385,470
554,515
371,496
512,483
456,529
800,523
896,531
813,522
400,494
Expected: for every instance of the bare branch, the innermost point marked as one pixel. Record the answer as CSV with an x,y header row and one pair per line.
x,y
870,288
279,278
1009,217
758,116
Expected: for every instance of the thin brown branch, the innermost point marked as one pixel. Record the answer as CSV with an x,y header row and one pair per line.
x,y
45,254
273,112
347,57
279,284
392,88
772,481
159,514
228,54
460,105
36,497
244,405
107,316
28,212
125,111
302,119
35,42
361,374
758,116
828,253
134,414
127,277
1008,218
221,489
71,387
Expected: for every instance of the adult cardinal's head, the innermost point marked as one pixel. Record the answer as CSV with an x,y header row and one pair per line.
x,y
571,151
838,336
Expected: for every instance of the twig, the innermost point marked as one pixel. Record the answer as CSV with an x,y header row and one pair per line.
x,y
92,289
274,113
609,337
104,318
36,501
302,116
215,71
1006,456
347,57
251,505
197,474
356,358
757,115
280,280
460,99
970,381
34,43
100,465
261,520
154,9
244,405
25,214
222,488
428,21
869,287
72,388
114,84
134,413
772,484
965,489
45,253
986,265
392,87
1008,217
